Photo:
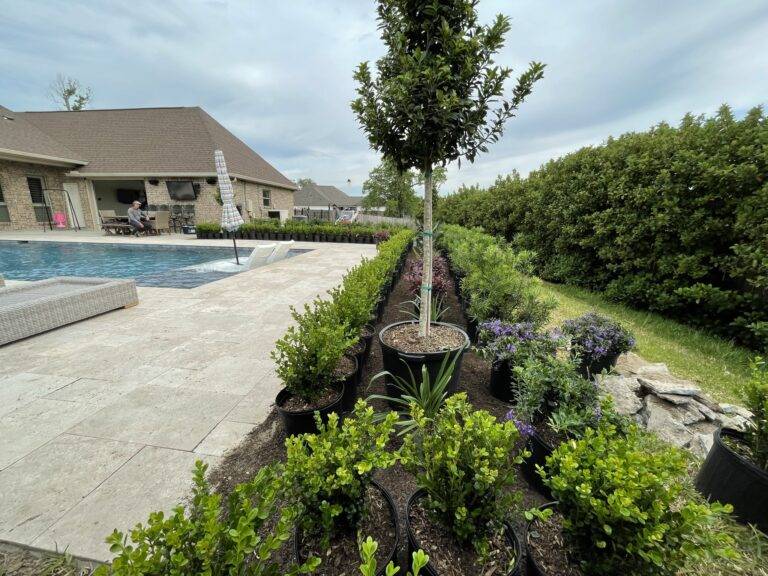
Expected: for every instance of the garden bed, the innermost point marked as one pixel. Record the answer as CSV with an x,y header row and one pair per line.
x,y
265,444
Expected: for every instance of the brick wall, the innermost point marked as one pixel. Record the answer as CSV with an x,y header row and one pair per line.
x,y
207,209
13,179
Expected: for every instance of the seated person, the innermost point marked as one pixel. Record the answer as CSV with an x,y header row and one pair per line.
x,y
137,219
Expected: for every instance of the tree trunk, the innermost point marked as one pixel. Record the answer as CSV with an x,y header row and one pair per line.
x,y
426,269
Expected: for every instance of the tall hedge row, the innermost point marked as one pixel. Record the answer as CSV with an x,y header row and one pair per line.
x,y
674,219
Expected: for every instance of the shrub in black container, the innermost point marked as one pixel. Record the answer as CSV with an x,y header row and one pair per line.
x,y
464,463
626,508
328,482
597,342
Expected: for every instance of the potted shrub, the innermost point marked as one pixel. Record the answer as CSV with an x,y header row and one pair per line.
x,y
558,404
307,357
597,342
328,482
368,549
623,508
197,538
508,345
736,468
464,464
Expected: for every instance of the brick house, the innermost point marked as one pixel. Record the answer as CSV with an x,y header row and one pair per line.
x,y
77,163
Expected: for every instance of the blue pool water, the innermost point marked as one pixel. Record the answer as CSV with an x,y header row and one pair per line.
x,y
150,265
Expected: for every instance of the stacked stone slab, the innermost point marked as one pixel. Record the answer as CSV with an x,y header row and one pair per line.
x,y
674,409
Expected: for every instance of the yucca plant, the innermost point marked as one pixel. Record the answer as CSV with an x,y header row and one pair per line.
x,y
412,308
429,396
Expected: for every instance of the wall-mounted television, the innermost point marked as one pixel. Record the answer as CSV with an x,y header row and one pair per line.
x,y
181,190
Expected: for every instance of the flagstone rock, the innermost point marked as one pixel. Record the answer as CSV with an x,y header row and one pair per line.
x,y
660,420
701,444
623,390
669,385
731,409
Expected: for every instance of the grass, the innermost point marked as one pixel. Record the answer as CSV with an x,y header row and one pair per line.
x,y
718,366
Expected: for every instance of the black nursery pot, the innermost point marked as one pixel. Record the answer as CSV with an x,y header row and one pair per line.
x,y
730,478
393,511
303,421
501,384
539,450
533,567
413,542
590,369
398,363
350,386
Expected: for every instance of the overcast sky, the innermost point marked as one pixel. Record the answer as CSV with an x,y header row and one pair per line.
x,y
279,74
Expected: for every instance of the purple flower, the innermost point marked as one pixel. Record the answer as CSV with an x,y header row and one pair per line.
x,y
595,337
525,429
502,341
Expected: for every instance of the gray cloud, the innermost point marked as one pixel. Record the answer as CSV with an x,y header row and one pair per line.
x,y
279,74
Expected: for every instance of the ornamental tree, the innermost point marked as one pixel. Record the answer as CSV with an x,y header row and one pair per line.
x,y
438,96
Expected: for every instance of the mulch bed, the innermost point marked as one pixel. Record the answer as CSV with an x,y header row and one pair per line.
x,y
454,559
343,557
548,547
265,443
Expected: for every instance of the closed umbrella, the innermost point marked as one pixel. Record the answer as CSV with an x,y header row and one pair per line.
x,y
230,217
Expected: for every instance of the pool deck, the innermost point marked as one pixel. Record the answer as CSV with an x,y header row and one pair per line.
x,y
101,421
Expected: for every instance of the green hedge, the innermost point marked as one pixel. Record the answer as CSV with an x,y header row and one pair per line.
x,y
674,219
296,228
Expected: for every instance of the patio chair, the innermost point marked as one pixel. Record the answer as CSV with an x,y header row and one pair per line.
x,y
281,251
161,223
258,257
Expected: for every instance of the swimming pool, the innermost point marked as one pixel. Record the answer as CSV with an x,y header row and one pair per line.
x,y
150,265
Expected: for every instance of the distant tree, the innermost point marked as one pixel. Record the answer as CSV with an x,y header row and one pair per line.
x,y
302,182
68,94
438,96
387,187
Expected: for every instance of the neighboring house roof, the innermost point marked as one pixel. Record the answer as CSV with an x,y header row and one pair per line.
x,y
153,142
312,194
20,140
356,200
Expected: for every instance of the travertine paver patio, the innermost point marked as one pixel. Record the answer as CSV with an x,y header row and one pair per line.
x,y
101,421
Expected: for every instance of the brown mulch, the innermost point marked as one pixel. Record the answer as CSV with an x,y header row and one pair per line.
x,y
265,444
453,559
406,338
342,559
326,397
547,545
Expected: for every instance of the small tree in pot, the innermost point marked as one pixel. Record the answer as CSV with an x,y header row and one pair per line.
x,y
435,98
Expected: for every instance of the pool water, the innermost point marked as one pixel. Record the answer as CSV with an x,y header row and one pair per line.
x,y
159,266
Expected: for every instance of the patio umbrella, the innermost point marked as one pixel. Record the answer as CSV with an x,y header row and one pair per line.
x,y
230,217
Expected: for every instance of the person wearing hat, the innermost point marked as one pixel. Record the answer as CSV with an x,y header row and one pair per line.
x,y
137,219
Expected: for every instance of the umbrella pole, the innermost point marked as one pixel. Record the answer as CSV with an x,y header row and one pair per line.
x,y
234,243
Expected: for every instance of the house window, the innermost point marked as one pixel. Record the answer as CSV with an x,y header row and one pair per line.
x,y
266,198
37,194
4,216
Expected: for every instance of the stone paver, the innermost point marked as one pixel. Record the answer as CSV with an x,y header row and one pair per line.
x,y
53,479
101,421
154,479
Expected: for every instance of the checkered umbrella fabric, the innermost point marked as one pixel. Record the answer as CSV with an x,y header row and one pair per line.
x,y
230,217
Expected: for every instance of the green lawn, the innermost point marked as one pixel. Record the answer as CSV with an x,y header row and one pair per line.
x,y
718,366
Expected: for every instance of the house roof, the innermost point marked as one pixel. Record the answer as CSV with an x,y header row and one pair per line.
x,y
20,139
153,142
312,194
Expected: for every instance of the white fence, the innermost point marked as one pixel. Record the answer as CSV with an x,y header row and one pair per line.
x,y
376,219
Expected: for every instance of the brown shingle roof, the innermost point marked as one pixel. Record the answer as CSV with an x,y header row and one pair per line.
x,y
22,138
153,141
312,194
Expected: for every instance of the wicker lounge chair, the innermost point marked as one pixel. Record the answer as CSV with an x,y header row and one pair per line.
x,y
29,309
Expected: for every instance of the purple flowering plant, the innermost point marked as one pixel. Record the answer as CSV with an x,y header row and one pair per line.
x,y
501,341
596,338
